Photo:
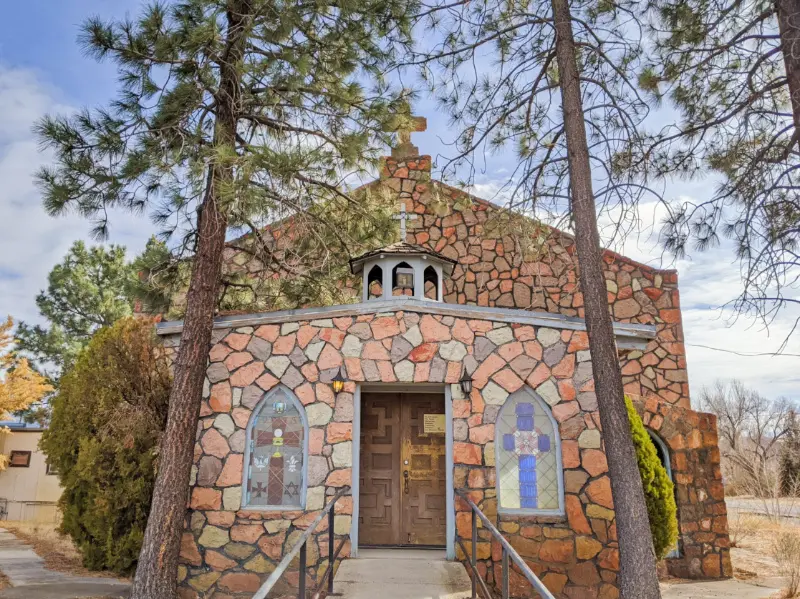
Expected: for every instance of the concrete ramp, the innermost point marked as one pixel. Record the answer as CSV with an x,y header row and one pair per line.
x,y
401,574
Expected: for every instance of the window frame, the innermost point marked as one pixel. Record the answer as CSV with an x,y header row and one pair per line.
x,y
527,392
245,503
26,453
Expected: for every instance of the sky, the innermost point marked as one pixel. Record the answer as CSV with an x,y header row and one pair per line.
x,y
44,71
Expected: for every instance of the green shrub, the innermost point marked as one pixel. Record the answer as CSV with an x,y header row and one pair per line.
x,y
103,437
658,489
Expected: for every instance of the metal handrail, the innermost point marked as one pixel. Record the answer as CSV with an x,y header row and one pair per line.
x,y
508,552
300,547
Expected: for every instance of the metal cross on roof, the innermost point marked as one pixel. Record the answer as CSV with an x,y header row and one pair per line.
x,y
402,217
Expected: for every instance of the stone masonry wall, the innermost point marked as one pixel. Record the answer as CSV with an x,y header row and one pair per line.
x,y
227,551
499,266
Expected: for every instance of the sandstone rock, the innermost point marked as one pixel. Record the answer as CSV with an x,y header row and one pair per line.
x,y
313,350
404,371
232,472
549,392
217,561
343,454
500,335
213,537
318,414
232,498
351,347
217,372
548,337
246,533
482,348
240,582
315,500
317,470
494,394
587,547
288,328
203,582
556,550
278,365
589,439
208,471
453,351
224,424
213,443
189,552
239,550
259,564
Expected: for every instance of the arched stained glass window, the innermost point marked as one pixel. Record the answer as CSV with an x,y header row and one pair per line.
x,y
276,450
530,478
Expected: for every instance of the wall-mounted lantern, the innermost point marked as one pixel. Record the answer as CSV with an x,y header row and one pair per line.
x,y
466,383
337,383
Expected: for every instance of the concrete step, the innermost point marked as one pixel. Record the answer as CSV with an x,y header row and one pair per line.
x,y
401,574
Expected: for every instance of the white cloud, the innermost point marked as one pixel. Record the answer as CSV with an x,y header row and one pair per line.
x,y
707,282
31,242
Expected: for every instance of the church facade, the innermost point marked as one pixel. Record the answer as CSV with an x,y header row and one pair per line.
x,y
458,298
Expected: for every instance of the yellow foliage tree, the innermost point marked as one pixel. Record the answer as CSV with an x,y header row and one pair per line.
x,y
20,385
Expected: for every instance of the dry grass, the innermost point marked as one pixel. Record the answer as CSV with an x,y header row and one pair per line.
x,y
757,553
742,526
57,550
3,581
786,551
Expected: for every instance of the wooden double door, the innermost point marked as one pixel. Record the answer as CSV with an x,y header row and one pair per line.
x,y
402,469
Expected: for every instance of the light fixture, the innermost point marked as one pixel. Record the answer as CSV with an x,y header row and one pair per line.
x,y
338,382
466,383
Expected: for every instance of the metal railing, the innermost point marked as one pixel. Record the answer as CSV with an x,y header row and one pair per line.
x,y
508,553
300,547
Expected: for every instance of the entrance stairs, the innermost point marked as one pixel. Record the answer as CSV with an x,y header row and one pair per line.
x,y
401,574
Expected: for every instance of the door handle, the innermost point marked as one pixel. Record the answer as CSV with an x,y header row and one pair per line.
x,y
405,480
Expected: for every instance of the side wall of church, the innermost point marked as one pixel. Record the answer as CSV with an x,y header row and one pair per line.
x,y
228,551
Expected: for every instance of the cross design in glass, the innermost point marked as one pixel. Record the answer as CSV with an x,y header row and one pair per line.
x,y
528,443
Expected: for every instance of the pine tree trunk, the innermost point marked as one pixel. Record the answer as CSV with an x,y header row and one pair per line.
x,y
637,576
156,573
788,12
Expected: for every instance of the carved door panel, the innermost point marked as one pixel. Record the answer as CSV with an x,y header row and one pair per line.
x,y
424,479
379,509
402,470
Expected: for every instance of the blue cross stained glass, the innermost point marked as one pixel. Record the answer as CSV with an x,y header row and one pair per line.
x,y
528,443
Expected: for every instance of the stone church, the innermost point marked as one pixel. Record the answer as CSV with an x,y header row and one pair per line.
x,y
456,304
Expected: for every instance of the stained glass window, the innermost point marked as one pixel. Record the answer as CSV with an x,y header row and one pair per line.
x,y
528,456
277,448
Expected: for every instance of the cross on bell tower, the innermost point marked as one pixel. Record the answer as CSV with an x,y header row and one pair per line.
x,y
402,217
406,124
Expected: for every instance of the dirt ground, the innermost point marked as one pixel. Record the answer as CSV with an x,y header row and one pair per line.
x,y
752,538
57,550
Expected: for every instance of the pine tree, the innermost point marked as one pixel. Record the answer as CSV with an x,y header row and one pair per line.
x,y
561,91
790,458
732,70
230,113
88,290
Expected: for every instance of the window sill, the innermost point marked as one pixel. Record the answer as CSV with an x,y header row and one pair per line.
x,y
520,516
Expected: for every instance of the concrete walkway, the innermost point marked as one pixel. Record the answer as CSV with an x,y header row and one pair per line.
x,y
401,574
720,589
31,580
